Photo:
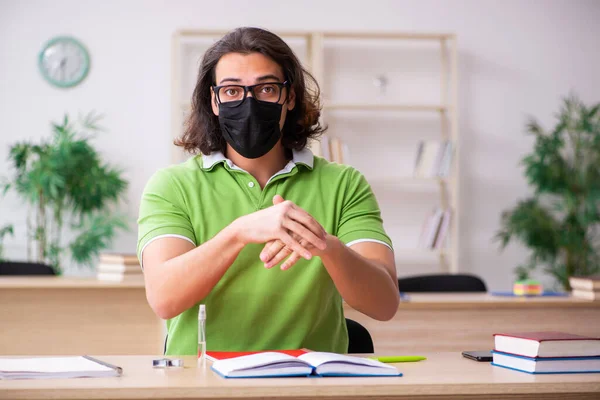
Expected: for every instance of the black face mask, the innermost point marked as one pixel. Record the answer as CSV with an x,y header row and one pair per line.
x,y
252,128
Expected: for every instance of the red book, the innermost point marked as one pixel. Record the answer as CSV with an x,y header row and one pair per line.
x,y
546,344
223,355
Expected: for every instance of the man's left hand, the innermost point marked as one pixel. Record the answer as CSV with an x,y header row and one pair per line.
x,y
276,251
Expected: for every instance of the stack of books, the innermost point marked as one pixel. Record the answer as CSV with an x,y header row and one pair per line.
x,y
547,352
585,287
433,159
435,229
117,267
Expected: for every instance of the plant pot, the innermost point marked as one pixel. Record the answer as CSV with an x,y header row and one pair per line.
x,y
25,268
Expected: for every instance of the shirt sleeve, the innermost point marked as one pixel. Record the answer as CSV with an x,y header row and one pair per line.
x,y
162,212
360,219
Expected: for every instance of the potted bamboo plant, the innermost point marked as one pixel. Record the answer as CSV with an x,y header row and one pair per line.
x,y
66,187
560,222
4,231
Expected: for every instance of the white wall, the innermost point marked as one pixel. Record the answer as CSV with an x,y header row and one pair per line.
x,y
517,58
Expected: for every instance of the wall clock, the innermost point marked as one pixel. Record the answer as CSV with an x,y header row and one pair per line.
x,y
64,62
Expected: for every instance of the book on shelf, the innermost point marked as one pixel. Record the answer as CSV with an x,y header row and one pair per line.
x,y
426,157
332,149
585,282
446,161
338,151
325,150
442,234
433,224
316,147
548,365
276,364
435,229
433,159
546,344
586,294
346,154
335,150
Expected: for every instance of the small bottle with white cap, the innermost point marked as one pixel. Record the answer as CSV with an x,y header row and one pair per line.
x,y
202,334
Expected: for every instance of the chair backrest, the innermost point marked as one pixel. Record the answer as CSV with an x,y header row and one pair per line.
x,y
442,283
359,338
24,268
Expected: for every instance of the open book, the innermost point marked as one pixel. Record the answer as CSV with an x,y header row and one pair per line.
x,y
273,364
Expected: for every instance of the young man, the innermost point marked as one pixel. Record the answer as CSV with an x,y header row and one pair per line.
x,y
211,230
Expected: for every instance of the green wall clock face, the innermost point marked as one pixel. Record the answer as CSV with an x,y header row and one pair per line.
x,y
64,62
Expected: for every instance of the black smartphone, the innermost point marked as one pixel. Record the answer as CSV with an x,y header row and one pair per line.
x,y
483,356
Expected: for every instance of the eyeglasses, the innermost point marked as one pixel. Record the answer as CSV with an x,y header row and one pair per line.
x,y
234,95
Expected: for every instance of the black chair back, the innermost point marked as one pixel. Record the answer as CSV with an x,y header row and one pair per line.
x,y
24,268
442,283
359,338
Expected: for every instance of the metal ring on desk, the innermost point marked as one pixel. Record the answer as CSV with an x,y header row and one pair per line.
x,y
167,363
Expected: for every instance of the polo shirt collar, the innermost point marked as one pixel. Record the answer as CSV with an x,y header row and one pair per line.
x,y
304,157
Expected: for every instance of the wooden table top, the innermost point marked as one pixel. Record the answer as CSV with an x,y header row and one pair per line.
x,y
442,374
415,301
63,282
488,301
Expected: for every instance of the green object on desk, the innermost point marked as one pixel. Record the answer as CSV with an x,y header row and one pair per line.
x,y
398,359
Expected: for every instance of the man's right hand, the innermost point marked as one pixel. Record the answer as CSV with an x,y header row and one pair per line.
x,y
284,221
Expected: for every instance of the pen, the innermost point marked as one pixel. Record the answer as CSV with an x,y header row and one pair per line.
x,y
118,369
398,359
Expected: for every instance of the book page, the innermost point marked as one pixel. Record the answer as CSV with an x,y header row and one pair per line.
x,y
319,358
51,365
255,361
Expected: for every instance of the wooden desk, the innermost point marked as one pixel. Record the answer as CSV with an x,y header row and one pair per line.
x,y
457,322
56,315
441,376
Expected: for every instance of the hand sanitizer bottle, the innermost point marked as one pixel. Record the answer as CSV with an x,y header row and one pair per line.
x,y
202,335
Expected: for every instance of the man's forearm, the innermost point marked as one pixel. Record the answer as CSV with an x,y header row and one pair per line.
x,y
188,278
366,285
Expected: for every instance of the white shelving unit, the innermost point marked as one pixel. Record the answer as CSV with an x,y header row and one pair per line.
x,y
421,70
385,107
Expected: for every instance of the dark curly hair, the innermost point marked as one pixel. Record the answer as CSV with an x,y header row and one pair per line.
x,y
203,133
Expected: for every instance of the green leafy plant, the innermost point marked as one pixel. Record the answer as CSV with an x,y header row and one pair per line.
x,y
5,230
560,222
65,184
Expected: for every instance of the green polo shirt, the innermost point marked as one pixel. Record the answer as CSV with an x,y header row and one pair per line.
x,y
253,308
